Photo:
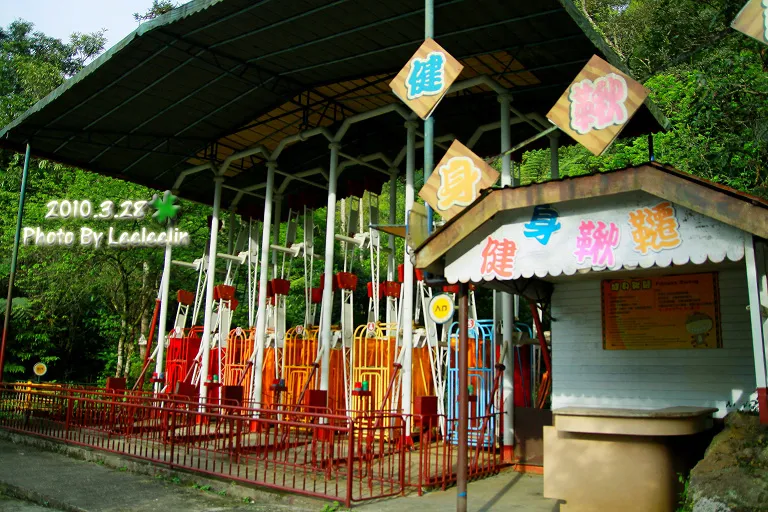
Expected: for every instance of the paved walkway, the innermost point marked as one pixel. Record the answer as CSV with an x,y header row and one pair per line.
x,y
13,505
508,491
61,482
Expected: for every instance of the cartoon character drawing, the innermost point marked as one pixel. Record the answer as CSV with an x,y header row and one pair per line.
x,y
699,325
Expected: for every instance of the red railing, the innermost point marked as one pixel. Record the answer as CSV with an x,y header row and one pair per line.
x,y
310,452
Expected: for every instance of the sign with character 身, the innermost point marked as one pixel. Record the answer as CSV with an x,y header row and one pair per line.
x,y
457,181
597,105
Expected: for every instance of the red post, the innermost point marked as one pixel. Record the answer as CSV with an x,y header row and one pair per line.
x,y
461,469
542,340
350,463
762,400
140,382
68,421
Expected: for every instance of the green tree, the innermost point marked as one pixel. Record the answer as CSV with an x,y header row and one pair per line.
x,y
708,79
158,8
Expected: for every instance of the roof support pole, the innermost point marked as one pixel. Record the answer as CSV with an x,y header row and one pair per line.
x,y
429,150
208,314
554,162
429,123
391,310
276,232
330,240
261,315
165,284
757,287
407,318
463,367
231,231
508,302
14,257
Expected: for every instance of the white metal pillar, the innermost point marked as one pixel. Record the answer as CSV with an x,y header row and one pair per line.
x,y
407,315
429,123
208,313
757,286
554,161
507,305
276,233
165,284
231,232
390,318
330,240
261,315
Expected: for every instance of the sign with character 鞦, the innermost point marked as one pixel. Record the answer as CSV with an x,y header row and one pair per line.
x,y
597,105
752,20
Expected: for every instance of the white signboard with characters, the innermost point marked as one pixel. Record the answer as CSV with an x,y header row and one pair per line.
x,y
620,232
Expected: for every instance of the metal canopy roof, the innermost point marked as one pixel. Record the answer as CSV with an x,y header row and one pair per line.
x,y
215,77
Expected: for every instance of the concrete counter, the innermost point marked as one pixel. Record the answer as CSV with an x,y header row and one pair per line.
x,y
672,421
598,459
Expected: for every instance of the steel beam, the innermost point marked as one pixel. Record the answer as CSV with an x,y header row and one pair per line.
x,y
14,257
261,317
463,363
330,240
162,330
507,305
554,162
208,313
407,306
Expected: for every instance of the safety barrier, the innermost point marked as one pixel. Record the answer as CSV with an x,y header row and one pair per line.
x,y
481,362
182,350
308,452
374,355
299,356
236,367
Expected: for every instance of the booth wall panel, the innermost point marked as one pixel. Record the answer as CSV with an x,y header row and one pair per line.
x,y
587,375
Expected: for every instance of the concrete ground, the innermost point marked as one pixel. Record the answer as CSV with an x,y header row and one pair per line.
x,y
507,491
33,474
8,504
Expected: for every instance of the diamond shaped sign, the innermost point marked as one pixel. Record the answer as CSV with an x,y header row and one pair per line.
x,y
457,181
752,20
597,105
423,82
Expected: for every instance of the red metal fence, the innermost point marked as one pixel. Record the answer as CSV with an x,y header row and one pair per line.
x,y
308,452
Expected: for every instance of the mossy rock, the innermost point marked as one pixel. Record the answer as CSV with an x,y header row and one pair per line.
x,y
733,475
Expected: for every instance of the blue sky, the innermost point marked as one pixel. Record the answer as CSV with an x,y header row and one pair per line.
x,y
60,18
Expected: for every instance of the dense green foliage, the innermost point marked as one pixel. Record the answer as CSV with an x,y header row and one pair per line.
x,y
709,80
83,311
77,309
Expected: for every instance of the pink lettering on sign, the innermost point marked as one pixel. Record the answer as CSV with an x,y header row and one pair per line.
x,y
597,242
599,104
498,258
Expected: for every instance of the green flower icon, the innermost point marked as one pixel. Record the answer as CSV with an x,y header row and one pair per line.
x,y
165,208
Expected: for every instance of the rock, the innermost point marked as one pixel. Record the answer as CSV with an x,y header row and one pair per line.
x,y
733,475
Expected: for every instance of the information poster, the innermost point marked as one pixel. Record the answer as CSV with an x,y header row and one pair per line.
x,y
670,312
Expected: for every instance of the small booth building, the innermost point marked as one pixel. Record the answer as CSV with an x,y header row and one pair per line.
x,y
657,286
